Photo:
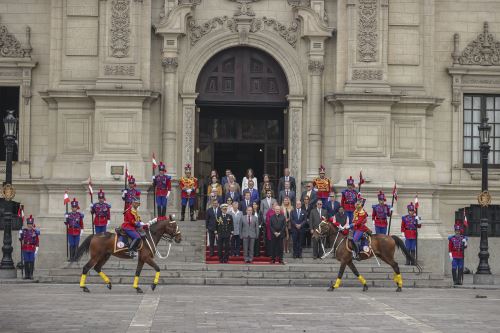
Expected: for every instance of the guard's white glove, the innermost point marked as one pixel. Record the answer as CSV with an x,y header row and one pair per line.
x,y
124,193
81,232
20,233
153,221
464,241
348,227
451,256
418,219
107,224
90,206
36,251
403,235
392,209
153,178
189,191
341,228
168,194
66,216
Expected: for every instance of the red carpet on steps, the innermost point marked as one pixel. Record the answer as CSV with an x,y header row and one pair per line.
x,y
261,260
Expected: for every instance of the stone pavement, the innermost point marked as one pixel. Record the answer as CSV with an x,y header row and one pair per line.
x,y
64,308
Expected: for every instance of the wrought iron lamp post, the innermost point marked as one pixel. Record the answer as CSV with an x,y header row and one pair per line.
x,y
7,269
483,274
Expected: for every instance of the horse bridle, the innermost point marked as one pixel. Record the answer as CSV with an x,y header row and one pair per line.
x,y
166,237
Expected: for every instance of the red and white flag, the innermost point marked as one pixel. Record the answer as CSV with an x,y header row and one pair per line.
x,y
466,223
66,198
153,160
20,212
361,179
416,202
395,192
91,190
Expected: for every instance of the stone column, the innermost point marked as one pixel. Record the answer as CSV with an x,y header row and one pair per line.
x,y
315,103
295,137
169,109
188,128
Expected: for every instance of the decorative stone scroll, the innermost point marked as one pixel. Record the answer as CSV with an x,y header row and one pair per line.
x,y
244,8
316,67
290,34
120,28
10,45
119,70
170,64
367,33
366,74
483,51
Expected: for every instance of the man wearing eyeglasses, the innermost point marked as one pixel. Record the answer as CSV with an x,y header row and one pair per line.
x,y
309,192
332,207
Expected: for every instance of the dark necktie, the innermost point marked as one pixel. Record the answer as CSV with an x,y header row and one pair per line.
x,y
248,220
286,192
247,203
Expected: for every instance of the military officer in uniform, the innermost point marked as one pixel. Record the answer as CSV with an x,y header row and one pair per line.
x,y
74,221
323,186
102,213
409,225
29,247
163,186
359,227
188,185
223,232
133,225
349,198
456,246
130,193
380,213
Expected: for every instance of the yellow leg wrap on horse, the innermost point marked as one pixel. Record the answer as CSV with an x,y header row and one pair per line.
x,y
82,280
398,279
362,279
157,278
104,277
337,283
136,282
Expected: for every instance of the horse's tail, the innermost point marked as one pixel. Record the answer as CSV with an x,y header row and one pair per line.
x,y
401,245
83,248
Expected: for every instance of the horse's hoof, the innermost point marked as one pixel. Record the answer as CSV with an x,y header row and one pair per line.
x,y
365,287
139,290
109,286
153,287
85,290
398,290
331,289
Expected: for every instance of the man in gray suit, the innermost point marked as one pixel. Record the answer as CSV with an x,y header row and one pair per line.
x,y
248,232
315,218
287,192
310,193
266,203
236,239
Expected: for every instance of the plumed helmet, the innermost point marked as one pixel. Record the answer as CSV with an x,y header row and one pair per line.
x,y
411,207
161,167
74,204
350,181
30,220
131,180
100,194
381,196
187,167
322,169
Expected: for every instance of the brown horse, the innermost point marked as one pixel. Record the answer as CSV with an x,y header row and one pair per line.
x,y
382,246
102,246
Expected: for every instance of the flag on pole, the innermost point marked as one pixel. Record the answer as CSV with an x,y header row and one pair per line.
x,y
361,179
153,160
466,223
395,192
20,212
91,190
416,201
66,198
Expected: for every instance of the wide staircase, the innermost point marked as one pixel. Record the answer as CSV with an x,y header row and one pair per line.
x,y
186,265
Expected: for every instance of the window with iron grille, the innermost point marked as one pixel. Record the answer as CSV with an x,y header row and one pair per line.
x,y
475,108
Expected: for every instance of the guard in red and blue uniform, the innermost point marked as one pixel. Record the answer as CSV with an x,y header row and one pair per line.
x,y
133,225
29,247
162,183
188,185
456,246
380,213
130,193
74,221
102,213
409,225
359,227
349,199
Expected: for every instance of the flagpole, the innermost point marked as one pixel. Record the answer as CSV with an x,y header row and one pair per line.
x,y
416,229
154,185
392,207
91,193
67,231
125,179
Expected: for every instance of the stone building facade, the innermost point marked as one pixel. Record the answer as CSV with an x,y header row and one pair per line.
x,y
380,85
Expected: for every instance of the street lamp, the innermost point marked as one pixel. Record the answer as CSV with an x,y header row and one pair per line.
x,y
7,269
483,273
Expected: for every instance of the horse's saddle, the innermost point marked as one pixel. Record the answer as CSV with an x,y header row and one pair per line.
x,y
366,245
122,241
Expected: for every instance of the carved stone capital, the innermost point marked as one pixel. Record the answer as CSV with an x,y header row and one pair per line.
x,y
169,64
316,67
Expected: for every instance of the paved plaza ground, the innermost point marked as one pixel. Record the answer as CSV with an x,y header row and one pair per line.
x,y
64,308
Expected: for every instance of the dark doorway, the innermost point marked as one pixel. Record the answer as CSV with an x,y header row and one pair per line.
x,y
241,119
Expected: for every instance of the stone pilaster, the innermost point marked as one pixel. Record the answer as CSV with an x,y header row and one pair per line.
x,y
315,105
169,114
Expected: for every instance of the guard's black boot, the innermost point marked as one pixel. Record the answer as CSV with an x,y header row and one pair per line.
x,y
71,253
408,261
460,277
355,250
133,247
414,254
183,212
191,213
32,264
26,271
454,274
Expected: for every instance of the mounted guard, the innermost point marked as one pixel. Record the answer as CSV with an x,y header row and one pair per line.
x,y
361,232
